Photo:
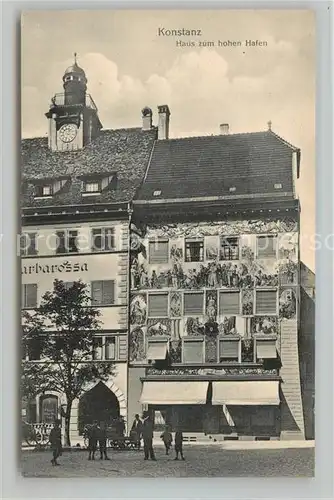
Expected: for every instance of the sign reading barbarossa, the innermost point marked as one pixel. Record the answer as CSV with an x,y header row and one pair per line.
x,y
64,267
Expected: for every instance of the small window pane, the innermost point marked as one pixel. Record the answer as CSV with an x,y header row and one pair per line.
x,y
158,305
28,244
92,187
72,242
46,191
102,292
193,304
110,347
158,252
97,349
266,302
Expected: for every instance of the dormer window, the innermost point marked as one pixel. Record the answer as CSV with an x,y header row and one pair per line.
x,y
232,189
46,188
278,186
157,193
95,184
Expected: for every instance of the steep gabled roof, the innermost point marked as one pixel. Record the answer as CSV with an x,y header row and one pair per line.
x,y
224,166
124,153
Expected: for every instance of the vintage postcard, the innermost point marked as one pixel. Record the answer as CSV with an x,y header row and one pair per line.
x,y
167,246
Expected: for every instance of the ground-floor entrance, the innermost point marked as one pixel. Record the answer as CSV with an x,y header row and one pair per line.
x,y
99,404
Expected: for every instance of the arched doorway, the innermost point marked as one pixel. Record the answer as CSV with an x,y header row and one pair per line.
x,y
100,404
48,408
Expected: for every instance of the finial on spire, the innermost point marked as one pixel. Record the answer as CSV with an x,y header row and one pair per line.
x,y
269,125
75,58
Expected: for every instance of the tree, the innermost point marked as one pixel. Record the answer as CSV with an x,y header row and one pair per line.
x,y
62,329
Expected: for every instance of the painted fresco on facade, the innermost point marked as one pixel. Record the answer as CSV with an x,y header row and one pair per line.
x,y
197,258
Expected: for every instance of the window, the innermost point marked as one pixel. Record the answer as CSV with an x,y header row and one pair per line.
x,y
193,304
194,250
104,348
29,295
229,303
266,302
103,239
103,292
266,247
92,187
232,189
229,350
28,244
193,351
229,248
158,305
157,350
158,252
47,190
266,349
110,347
278,186
156,193
67,242
97,349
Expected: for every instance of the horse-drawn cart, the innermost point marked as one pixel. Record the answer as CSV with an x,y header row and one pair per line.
x,y
114,439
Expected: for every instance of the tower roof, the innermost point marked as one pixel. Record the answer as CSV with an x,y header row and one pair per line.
x,y
74,68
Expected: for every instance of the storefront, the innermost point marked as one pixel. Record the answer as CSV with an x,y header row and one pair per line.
x,y
227,407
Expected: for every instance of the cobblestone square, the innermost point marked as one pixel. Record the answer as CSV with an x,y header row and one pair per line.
x,y
201,461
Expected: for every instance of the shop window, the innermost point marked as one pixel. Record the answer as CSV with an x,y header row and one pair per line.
x,y
194,250
158,305
103,239
193,351
103,292
229,248
67,242
193,304
266,247
29,295
229,350
158,252
266,302
229,303
28,244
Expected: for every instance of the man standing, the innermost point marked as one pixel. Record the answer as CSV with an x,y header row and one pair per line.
x,y
93,436
148,437
55,442
103,441
136,430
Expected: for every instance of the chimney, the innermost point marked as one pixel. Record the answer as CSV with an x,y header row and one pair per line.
x,y
163,125
147,118
224,128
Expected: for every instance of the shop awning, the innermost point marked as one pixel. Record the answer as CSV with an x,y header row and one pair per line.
x,y
157,351
174,393
253,392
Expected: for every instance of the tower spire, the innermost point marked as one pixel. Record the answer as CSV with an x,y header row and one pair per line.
x,y
75,58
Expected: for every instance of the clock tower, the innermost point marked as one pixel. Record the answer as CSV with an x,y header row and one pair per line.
x,y
73,116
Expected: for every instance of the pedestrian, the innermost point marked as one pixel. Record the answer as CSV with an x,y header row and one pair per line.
x,y
93,436
103,441
178,440
136,430
167,439
148,437
55,441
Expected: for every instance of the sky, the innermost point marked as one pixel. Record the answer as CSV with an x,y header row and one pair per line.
x,y
129,66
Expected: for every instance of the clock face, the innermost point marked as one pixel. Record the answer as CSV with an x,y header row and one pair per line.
x,y
68,132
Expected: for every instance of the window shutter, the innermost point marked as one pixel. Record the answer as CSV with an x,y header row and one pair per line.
x,y
266,349
29,295
158,252
229,303
229,349
266,302
109,238
266,246
158,305
31,244
108,288
123,348
60,242
97,348
193,352
96,292
193,303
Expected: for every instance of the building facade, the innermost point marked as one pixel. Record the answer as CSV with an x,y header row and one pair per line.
x,y
76,188
215,289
